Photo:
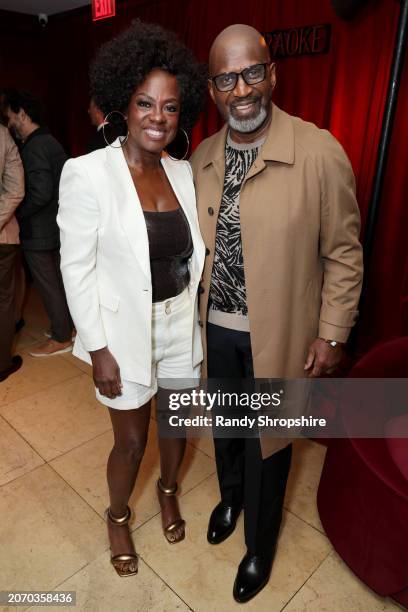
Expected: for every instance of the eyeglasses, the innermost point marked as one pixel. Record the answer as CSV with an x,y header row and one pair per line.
x,y
251,75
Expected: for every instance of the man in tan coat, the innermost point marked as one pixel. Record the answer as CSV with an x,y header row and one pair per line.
x,y
11,194
281,284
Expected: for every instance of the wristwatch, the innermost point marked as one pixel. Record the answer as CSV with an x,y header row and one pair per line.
x,y
333,343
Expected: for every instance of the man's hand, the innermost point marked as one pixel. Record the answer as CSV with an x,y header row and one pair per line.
x,y
106,374
322,358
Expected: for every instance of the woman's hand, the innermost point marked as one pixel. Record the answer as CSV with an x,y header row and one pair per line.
x,y
106,373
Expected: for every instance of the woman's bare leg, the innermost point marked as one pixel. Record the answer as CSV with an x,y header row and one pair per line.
x,y
171,455
130,429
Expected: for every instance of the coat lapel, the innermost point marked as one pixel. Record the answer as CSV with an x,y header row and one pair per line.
x,y
279,146
215,158
130,211
131,214
184,191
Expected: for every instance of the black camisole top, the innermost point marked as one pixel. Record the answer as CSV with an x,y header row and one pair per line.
x,y
170,246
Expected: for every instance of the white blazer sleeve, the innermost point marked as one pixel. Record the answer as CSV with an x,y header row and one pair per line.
x,y
78,219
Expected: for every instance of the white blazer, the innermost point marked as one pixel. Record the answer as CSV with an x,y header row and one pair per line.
x,y
105,260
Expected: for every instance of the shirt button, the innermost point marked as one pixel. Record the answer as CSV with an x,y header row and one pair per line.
x,y
207,251
210,211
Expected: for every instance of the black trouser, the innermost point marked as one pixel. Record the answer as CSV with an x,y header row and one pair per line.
x,y
8,253
244,476
45,270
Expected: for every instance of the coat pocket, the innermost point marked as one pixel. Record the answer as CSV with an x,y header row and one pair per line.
x,y
107,300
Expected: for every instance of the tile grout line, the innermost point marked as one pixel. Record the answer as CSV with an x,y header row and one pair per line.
x,y
202,451
166,583
307,580
37,467
25,440
286,508
54,588
97,436
17,349
65,481
46,461
97,513
60,584
76,492
75,365
103,433
39,391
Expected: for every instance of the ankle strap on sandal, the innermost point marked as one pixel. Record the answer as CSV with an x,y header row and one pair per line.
x,y
123,520
165,491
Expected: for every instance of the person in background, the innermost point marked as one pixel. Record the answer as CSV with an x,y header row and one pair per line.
x,y
19,275
43,158
105,132
282,278
11,194
19,291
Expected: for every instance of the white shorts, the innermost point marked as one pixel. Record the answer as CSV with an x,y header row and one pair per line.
x,y
171,355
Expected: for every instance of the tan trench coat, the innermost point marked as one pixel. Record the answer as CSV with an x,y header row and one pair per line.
x,y
11,187
300,238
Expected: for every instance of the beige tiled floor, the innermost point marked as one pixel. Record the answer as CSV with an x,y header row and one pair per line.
x,y
55,439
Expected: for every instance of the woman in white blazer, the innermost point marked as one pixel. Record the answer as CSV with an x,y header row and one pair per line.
x,y
131,259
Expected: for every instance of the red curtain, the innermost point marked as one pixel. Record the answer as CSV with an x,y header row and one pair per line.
x,y
343,91
385,314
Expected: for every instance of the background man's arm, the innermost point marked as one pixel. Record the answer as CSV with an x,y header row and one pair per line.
x,y
11,181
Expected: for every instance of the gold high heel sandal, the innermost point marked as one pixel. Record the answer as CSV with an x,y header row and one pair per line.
x,y
118,560
169,529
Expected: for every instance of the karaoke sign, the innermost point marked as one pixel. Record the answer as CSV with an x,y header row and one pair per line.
x,y
294,42
102,9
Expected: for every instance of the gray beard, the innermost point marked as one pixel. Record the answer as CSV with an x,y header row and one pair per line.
x,y
248,125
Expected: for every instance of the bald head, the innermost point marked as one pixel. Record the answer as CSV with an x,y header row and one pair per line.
x,y
245,78
234,41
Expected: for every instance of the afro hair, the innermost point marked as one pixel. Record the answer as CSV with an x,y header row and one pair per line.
x,y
124,62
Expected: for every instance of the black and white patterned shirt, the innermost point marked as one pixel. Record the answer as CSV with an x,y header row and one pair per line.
x,y
227,305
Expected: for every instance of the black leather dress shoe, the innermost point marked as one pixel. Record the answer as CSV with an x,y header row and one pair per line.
x,y
16,363
222,522
253,574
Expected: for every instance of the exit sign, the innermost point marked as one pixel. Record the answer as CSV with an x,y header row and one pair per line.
x,y
101,9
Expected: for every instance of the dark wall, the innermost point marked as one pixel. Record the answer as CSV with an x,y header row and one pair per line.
x,y
23,50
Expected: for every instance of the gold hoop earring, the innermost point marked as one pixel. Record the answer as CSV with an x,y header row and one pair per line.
x,y
187,149
106,120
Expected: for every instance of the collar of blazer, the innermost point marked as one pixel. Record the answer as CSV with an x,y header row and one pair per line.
x,y
278,146
130,211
